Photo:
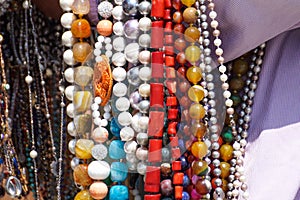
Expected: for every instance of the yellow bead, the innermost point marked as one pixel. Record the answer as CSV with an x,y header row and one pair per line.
x,y
82,101
83,195
81,51
81,7
191,34
194,74
192,54
225,169
199,149
196,93
188,3
197,111
226,152
198,129
224,185
83,148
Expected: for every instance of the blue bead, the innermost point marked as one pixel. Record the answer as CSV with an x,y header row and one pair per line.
x,y
185,196
118,192
115,127
184,163
118,171
116,150
186,181
181,145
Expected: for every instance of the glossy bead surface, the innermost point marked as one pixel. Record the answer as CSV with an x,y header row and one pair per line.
x,y
81,7
192,54
197,111
118,192
191,34
188,3
95,172
82,101
203,187
118,172
190,15
116,150
226,152
199,149
200,168
194,74
81,28
105,9
83,75
81,51
80,175
166,187
198,129
196,93
225,169
83,195
240,67
105,27
99,134
98,190
83,148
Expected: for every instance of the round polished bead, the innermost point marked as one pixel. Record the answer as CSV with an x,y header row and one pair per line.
x,y
126,133
142,139
81,7
199,149
67,19
196,93
188,3
105,27
143,122
99,152
117,12
118,28
71,129
74,162
226,152
98,190
144,57
119,59
192,54
142,153
200,168
119,44
144,7
67,39
236,84
81,51
68,57
70,110
144,40
144,90
105,9
197,111
240,67
100,135
131,29
194,74
132,52
130,146
145,24
28,79
120,89
125,118
224,166
81,176
134,99
190,15
69,92
145,73
83,195
166,187
144,106
130,7
198,129
71,146
141,168
95,173
33,154
180,44
133,76
122,104
66,5
203,186
119,74
81,28
177,17
192,34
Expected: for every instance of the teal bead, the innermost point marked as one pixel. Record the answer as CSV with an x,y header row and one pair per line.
x,y
227,136
118,192
116,150
118,171
115,127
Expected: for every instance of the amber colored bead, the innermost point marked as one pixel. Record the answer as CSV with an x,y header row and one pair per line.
x,y
200,168
180,58
81,28
194,74
224,185
178,29
81,176
197,111
192,54
176,4
198,129
83,148
236,84
105,27
81,7
203,186
180,44
225,169
191,34
177,17
81,50
240,67
188,3
226,152
190,15
196,93
83,195
199,149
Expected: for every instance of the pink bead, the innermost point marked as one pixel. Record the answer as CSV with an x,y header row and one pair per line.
x,y
195,195
98,190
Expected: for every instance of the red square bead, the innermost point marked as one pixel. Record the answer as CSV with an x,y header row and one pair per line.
x,y
167,15
154,154
169,61
168,39
171,101
168,4
174,141
171,85
158,7
152,197
157,60
152,175
176,165
151,188
172,128
157,33
169,50
156,95
156,124
172,113
178,192
178,178
176,153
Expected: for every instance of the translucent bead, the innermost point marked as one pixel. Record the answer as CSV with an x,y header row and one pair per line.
x,y
192,34
119,44
119,59
100,135
198,129
197,111
81,176
190,15
119,74
120,89
126,133
82,101
83,148
81,28
105,9
199,149
105,27
224,166
122,104
95,173
194,74
81,50
81,7
145,73
98,190
125,118
132,52
192,54
83,195
188,3
200,168
196,93
226,152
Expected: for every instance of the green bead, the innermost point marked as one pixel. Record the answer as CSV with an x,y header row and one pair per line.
x,y
227,136
236,100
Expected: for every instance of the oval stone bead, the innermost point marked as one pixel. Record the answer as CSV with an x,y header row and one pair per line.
x,y
200,168
226,152
116,150
81,7
194,74
190,15
82,101
81,51
98,190
83,75
115,128
118,192
225,169
203,186
118,172
192,54
81,28
198,129
81,176
199,149
191,34
105,27
188,3
83,148
196,93
197,111
83,195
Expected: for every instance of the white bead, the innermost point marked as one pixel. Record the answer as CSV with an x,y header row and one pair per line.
x,y
132,52
212,14
126,133
69,74
95,172
74,162
214,24
122,104
130,147
71,129
120,89
94,106
105,9
28,79
144,90
243,142
242,179
97,52
69,91
225,86
219,51
97,121
134,192
241,170
145,24
222,69
104,122
106,115
217,42
108,53
145,73
98,100
68,57
119,59
230,111
67,19
235,192
226,94
107,108
118,28
71,146
119,74
144,57
107,40
100,39
236,145
70,110
142,153
96,114
246,195
143,122
236,183
137,197
117,12
119,44
144,40
228,102
68,39
66,5
125,118
33,154
223,77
